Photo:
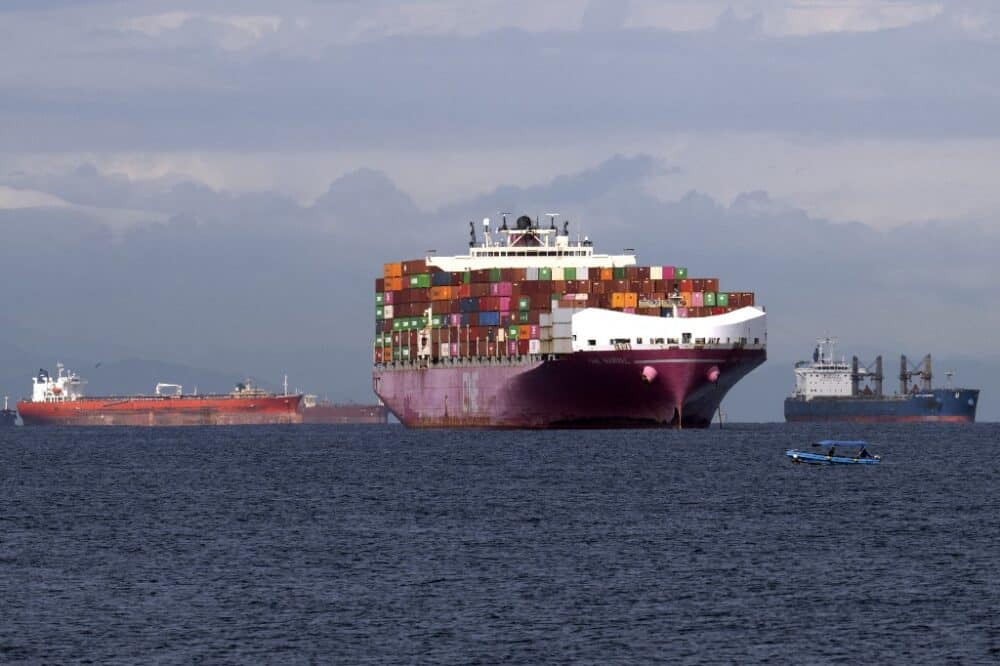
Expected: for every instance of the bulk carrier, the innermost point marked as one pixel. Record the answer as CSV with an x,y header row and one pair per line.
x,y
60,400
532,330
831,390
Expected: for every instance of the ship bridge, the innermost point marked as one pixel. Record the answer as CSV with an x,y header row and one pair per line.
x,y
528,245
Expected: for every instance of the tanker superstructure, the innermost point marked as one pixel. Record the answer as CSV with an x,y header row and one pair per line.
x,y
830,390
60,400
533,330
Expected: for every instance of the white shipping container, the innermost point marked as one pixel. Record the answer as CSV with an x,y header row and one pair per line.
x,y
557,273
656,272
387,312
534,346
532,273
545,319
562,346
445,349
562,330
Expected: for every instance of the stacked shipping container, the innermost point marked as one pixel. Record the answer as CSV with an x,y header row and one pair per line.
x,y
520,311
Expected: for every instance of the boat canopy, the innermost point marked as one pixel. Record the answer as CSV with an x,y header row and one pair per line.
x,y
843,442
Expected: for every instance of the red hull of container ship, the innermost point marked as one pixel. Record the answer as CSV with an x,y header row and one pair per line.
x,y
580,390
164,411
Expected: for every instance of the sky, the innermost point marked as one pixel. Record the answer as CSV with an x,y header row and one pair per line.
x,y
215,184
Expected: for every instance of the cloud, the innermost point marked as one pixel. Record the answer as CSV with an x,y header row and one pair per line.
x,y
228,32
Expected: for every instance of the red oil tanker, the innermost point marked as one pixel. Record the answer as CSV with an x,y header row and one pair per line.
x,y
60,401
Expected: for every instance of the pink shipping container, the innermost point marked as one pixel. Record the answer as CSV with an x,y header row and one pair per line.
x,y
454,349
629,310
698,299
504,304
668,272
390,297
455,319
533,331
682,312
512,347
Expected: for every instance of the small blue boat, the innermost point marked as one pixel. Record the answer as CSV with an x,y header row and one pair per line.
x,y
851,452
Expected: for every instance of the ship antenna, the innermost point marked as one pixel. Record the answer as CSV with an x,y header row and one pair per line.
x,y
486,230
504,216
566,228
552,220
472,234
286,384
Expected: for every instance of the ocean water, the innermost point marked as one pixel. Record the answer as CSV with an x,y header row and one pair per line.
x,y
378,544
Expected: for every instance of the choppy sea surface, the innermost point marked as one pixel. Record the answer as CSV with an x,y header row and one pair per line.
x,y
380,544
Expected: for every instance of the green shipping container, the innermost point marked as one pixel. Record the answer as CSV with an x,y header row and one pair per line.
x,y
379,298
420,280
495,275
397,354
544,273
722,300
406,353
379,312
524,303
397,324
512,332
523,317
619,273
680,273
569,273
437,321
709,299
467,277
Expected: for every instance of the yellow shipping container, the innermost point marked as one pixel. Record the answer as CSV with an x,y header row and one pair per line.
x,y
631,299
617,299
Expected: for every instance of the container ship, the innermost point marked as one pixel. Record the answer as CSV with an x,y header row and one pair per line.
x,y
8,417
831,390
532,330
60,400
323,411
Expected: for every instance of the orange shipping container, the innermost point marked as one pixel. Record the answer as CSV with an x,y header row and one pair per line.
x,y
688,299
523,332
617,299
440,293
392,270
394,283
607,274
631,299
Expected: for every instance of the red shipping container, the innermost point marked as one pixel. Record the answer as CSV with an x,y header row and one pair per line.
x,y
631,272
711,284
643,272
686,285
697,284
379,285
414,266
523,347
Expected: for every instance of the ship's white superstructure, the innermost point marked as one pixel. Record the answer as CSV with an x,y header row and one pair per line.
x,y
65,386
528,246
824,376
